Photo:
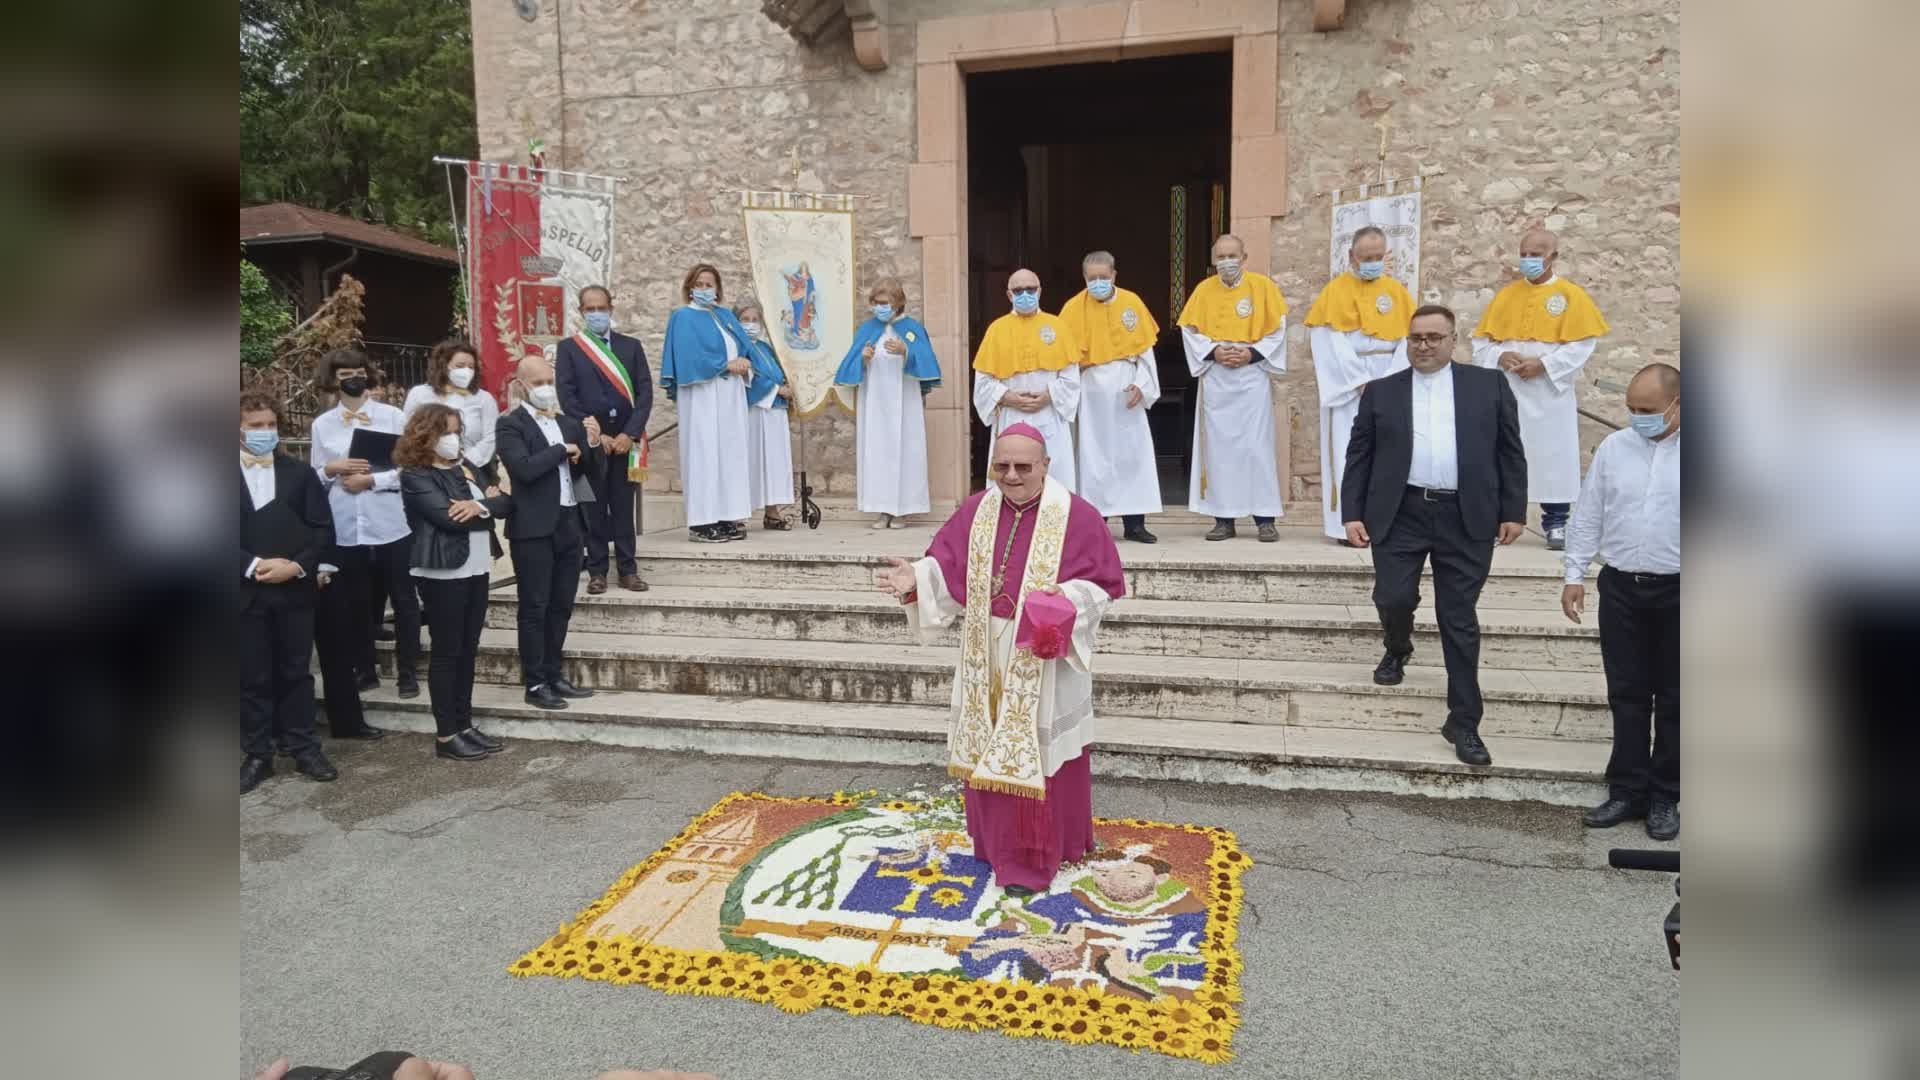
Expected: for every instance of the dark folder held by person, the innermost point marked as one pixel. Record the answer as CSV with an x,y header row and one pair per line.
x,y
373,447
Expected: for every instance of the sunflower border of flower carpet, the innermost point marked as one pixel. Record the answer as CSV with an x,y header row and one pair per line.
x,y
1200,1028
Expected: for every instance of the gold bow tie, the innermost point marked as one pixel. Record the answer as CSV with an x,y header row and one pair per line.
x,y
548,413
255,461
349,416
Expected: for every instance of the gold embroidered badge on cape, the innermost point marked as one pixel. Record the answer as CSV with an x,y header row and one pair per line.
x,y
994,745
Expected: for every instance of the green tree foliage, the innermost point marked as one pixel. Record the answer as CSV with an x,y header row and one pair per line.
x,y
265,315
344,103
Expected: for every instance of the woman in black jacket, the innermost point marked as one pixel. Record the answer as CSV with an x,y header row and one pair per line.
x,y
452,520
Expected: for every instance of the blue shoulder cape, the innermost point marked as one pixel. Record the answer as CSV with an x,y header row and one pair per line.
x,y
920,360
694,351
768,376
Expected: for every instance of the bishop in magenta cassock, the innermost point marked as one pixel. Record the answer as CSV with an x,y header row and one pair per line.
x,y
1030,568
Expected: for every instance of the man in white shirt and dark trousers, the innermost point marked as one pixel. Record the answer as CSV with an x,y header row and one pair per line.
x,y
369,522
285,530
1435,468
1629,516
545,453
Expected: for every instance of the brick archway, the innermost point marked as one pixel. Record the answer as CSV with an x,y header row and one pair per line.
x,y
946,49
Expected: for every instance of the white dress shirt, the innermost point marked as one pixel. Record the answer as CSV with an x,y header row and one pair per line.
x,y
479,414
551,429
373,516
479,552
1436,451
1629,508
259,480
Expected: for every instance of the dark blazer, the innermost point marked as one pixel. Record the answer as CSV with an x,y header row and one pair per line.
x,y
585,391
439,542
530,463
297,525
1493,464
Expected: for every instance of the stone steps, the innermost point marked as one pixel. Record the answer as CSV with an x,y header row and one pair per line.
x,y
1327,633
1556,770
1533,703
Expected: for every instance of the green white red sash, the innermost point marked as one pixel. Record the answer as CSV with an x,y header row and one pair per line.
x,y
603,358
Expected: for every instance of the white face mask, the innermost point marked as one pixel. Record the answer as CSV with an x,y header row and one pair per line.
x,y
461,377
544,397
1229,268
752,328
448,447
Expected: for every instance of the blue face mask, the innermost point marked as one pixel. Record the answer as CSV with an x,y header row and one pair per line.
x,y
1026,303
260,442
883,312
599,322
1370,271
1650,425
1100,287
703,297
1532,266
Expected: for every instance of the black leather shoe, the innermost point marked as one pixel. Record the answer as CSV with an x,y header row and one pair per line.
x,y
1018,892
544,697
369,680
314,764
1140,536
568,690
252,771
485,741
459,748
1393,668
1269,534
1614,811
367,732
1663,821
1222,532
1467,745
408,685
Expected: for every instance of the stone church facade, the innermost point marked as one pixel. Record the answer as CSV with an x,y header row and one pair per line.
x,y
1520,112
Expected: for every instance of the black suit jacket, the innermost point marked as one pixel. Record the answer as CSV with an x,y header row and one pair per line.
x,y
297,525
584,391
1493,464
531,462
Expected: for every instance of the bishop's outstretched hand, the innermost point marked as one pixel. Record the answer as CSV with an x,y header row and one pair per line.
x,y
896,579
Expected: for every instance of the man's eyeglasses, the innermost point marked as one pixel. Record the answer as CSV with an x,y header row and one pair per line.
x,y
1017,468
1026,290
1428,339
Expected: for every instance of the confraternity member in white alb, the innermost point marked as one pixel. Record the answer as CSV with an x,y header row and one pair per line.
x,y
885,378
1119,382
1234,328
1027,372
1359,324
704,369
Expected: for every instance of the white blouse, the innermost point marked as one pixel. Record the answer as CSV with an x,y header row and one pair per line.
x,y
479,415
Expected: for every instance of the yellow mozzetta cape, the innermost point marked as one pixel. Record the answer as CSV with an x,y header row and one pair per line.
x,y
1556,313
1379,308
1120,329
1017,343
1245,313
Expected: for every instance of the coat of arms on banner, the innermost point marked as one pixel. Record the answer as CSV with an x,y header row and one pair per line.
x,y
1396,215
803,276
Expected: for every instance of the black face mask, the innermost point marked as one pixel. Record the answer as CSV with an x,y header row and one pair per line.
x,y
354,386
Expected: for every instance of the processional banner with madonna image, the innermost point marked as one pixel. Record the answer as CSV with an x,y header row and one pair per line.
x,y
801,251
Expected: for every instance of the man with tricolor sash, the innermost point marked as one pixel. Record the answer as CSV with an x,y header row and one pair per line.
x,y
1234,329
1541,330
1359,324
1030,568
603,374
1119,382
1027,371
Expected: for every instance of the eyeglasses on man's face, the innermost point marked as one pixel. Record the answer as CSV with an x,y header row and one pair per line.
x,y
1428,341
1016,468
1025,290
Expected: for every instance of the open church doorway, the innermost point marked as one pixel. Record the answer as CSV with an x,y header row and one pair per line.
x,y
1131,157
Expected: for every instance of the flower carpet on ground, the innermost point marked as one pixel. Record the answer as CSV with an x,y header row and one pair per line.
x,y
873,903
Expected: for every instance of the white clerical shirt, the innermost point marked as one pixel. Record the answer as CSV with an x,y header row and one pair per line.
x,y
1629,508
1436,453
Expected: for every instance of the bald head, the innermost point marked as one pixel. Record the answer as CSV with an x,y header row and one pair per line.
x,y
1538,250
1023,291
1653,400
533,370
1661,379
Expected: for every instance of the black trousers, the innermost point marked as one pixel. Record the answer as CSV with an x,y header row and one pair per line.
x,y
456,612
547,572
336,637
1640,649
363,566
1431,529
276,680
610,519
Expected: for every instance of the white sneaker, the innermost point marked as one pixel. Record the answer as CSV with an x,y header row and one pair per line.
x,y
1557,538
882,522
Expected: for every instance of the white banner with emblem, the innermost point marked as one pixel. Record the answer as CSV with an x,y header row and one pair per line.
x,y
1395,212
801,250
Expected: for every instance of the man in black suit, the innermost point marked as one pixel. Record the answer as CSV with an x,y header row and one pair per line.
x,y
547,454
1435,468
603,375
286,528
